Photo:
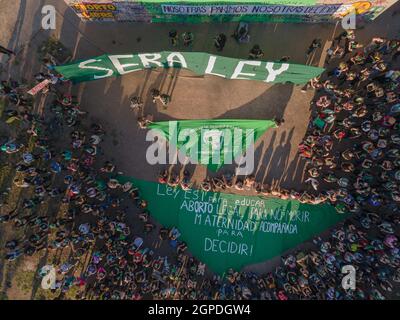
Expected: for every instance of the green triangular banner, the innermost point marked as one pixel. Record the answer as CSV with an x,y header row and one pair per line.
x,y
213,142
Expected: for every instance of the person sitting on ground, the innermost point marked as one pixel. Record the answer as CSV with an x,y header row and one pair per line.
x,y
108,167
284,59
136,103
206,185
228,179
174,234
155,94
165,100
249,182
187,38
163,234
279,122
163,176
181,248
113,184
185,183
148,227
173,37
316,43
239,184
256,52
143,122
173,180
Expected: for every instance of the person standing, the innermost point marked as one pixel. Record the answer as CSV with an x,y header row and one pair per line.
x,y
155,94
316,43
173,37
188,38
165,100
219,41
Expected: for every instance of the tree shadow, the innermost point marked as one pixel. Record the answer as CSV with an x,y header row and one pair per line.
x,y
293,177
24,69
278,160
266,156
271,104
18,26
278,95
172,84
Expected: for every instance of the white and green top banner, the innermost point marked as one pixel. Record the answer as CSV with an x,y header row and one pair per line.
x,y
198,62
205,11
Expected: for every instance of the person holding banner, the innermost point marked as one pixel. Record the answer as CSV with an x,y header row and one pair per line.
x,y
256,53
173,37
219,41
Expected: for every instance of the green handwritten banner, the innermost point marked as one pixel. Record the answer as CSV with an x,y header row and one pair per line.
x,y
231,231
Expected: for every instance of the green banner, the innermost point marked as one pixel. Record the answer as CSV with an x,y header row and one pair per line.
x,y
198,62
286,11
231,231
232,2
206,11
213,142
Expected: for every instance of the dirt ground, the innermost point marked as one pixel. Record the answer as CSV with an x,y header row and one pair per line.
x,y
192,97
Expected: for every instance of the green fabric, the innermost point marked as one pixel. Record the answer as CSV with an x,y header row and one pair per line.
x,y
198,62
206,11
319,123
256,11
172,129
202,218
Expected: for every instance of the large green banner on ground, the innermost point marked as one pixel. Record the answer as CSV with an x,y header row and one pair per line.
x,y
231,231
198,62
213,142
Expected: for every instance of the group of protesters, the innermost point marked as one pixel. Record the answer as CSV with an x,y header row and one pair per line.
x,y
73,199
352,155
352,143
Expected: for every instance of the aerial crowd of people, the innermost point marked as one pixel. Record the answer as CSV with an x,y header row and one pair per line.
x,y
73,201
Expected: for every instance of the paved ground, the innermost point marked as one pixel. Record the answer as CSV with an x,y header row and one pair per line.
x,y
192,97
